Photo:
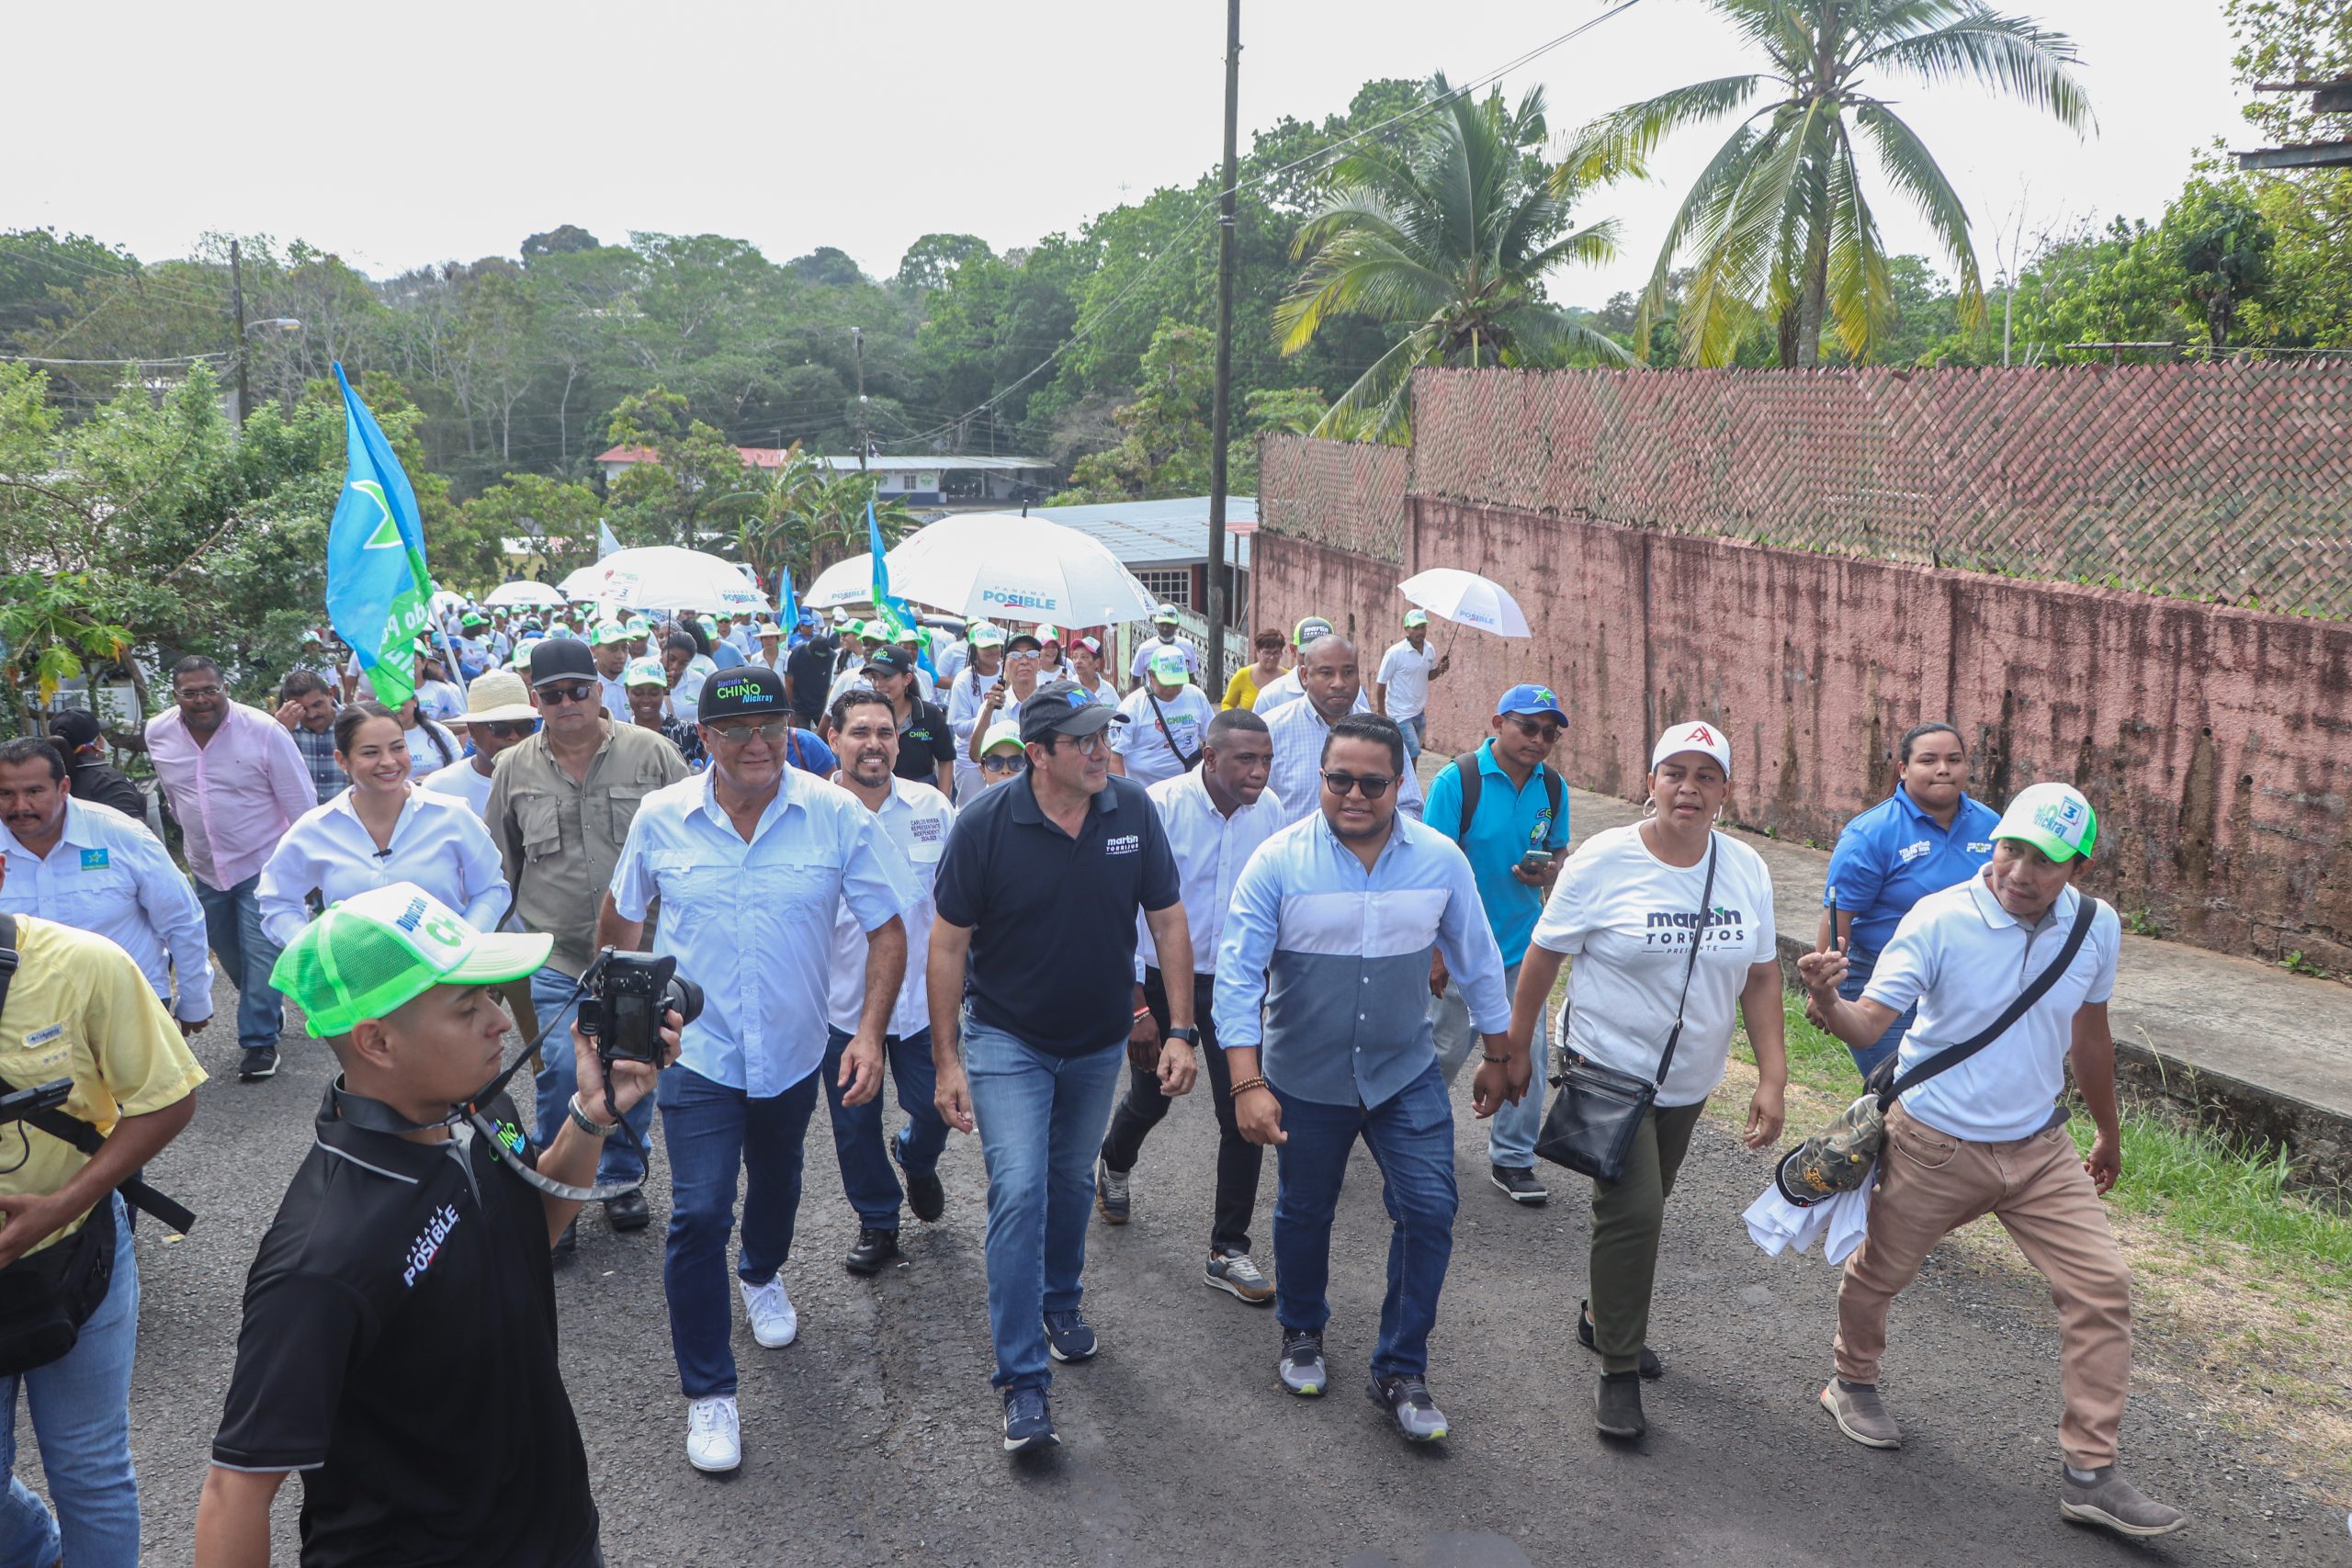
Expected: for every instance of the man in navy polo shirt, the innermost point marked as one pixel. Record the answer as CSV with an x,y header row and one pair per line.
x,y
1036,938
1516,837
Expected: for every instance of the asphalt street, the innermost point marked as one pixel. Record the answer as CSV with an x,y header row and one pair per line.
x,y
874,1438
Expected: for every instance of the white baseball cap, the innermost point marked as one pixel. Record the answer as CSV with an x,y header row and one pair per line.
x,y
1708,739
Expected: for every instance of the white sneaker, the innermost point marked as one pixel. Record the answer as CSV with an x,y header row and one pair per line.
x,y
775,1323
714,1434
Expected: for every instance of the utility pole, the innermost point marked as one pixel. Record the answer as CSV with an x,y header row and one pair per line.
x,y
857,340
1221,399
237,303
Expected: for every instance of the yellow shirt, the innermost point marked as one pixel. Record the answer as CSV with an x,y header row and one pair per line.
x,y
79,1007
1241,692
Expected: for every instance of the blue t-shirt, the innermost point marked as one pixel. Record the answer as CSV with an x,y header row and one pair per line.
x,y
1508,826
810,755
1894,854
726,655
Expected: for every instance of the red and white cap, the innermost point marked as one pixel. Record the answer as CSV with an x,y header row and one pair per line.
x,y
1701,736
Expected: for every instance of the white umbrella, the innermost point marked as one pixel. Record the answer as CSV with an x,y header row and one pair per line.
x,y
1009,568
1466,598
523,594
585,583
443,599
847,582
663,577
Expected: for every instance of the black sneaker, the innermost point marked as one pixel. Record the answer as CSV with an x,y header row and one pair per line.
x,y
1409,1406
925,1195
567,1243
1617,1407
1652,1366
1520,1185
1069,1338
1301,1368
873,1249
627,1211
1110,1194
1028,1421
259,1062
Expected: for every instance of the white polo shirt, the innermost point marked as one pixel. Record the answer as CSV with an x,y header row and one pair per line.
x,y
438,842
1404,670
1210,849
463,780
108,875
915,820
752,922
1963,959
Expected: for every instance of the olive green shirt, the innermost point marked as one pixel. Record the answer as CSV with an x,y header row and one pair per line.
x,y
560,837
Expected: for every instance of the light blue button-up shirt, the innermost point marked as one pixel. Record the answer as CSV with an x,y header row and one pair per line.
x,y
752,923
110,875
1337,959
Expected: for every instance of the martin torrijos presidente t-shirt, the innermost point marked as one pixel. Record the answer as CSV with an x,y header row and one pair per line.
x,y
1628,918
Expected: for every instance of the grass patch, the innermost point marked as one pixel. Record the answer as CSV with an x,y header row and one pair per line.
x,y
2187,1181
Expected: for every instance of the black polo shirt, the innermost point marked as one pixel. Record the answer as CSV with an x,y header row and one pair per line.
x,y
924,742
811,668
398,1350
1053,917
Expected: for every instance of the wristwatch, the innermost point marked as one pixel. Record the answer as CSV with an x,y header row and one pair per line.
x,y
1188,1034
593,1129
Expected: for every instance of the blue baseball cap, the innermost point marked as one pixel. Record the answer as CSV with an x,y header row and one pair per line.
x,y
1531,699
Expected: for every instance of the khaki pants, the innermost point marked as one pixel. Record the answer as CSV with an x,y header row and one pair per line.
x,y
1929,1185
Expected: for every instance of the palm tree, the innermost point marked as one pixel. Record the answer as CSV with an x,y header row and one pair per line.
x,y
1777,221
1449,237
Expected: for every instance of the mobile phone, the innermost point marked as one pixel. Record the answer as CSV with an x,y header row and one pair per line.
x,y
1534,862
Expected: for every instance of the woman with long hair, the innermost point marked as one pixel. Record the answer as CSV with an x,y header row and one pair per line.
x,y
383,829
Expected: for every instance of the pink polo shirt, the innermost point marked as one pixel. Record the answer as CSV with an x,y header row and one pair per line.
x,y
234,795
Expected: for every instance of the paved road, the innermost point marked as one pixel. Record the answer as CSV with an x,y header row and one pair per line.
x,y
873,1438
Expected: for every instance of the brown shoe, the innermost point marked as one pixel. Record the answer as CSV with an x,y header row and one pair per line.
x,y
1860,1415
2112,1503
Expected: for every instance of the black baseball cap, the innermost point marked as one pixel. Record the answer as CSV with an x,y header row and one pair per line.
x,y
745,689
74,729
1063,708
890,659
561,659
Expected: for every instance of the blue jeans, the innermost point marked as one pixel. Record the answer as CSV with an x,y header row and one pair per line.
x,y
232,930
1041,1120
1411,1136
1868,1057
1416,734
559,1077
81,1410
1511,1131
867,1181
715,1134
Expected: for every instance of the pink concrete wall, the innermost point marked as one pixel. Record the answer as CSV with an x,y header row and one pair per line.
x,y
2215,742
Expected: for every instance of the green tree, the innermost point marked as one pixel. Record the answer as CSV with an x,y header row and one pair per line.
x,y
566,239
2220,244
1777,221
1446,238
558,517
931,261
696,485
1163,449
811,515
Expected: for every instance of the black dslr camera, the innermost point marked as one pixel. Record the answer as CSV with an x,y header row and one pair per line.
x,y
626,994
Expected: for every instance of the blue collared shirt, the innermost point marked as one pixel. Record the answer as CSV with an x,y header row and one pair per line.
x,y
1508,826
1326,966
1894,854
752,923
110,875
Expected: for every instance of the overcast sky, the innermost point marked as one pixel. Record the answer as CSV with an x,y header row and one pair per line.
x,y
430,130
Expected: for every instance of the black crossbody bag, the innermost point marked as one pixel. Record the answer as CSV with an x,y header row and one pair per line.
x,y
1597,1110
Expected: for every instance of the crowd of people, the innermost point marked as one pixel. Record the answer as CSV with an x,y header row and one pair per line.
x,y
971,876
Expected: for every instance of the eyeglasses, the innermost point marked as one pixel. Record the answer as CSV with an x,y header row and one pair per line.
x,y
506,729
1547,733
195,693
769,731
1004,763
1092,745
569,692
1372,786
1026,653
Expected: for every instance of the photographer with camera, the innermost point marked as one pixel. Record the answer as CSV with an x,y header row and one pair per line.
x,y
76,1009
751,860
404,1292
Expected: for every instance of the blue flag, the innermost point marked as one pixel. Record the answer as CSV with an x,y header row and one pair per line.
x,y
379,593
895,611
787,602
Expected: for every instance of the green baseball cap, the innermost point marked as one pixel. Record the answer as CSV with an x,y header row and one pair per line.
x,y
1415,618
987,634
638,627
2054,818
1003,732
388,945
645,672
1168,667
1309,629
608,633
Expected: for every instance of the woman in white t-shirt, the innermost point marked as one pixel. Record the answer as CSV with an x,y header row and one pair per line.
x,y
1628,905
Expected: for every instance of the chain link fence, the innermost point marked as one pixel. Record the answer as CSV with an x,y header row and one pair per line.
x,y
2229,482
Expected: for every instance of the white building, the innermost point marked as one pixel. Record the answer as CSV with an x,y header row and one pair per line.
x,y
950,480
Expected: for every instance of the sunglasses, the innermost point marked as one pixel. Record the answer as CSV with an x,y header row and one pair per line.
x,y
569,692
1372,786
1003,764
771,731
1547,733
507,730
